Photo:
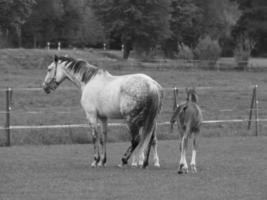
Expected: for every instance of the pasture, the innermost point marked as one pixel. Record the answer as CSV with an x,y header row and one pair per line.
x,y
231,163
228,168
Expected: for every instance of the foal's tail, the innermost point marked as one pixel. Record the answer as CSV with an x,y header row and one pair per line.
x,y
154,104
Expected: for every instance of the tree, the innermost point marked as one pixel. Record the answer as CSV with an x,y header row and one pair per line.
x,y
44,24
140,24
14,14
184,24
253,24
72,22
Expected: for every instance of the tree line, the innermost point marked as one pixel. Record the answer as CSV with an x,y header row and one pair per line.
x,y
142,25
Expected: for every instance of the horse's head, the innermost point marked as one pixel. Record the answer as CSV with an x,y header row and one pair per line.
x,y
191,95
53,77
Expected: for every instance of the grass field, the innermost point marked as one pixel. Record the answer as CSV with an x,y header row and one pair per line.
x,y
229,97
228,168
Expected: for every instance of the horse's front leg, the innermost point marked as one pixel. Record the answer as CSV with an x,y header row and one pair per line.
x,y
95,137
103,143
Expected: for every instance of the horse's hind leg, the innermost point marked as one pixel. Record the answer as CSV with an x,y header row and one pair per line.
x,y
134,132
152,144
193,158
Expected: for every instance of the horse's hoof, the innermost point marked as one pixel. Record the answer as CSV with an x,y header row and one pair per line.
x,y
122,165
134,164
93,164
145,165
101,164
124,161
157,165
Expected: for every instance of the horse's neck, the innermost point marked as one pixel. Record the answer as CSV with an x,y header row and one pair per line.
x,y
76,79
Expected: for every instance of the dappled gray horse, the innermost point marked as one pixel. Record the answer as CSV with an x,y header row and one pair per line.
x,y
189,118
137,98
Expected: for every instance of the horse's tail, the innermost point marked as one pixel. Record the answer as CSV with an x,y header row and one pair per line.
x,y
154,104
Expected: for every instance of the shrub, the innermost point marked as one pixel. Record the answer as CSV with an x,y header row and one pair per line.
x,y
185,52
208,50
243,50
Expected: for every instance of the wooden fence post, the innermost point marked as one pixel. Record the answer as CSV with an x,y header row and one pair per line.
x,y
175,98
256,111
254,105
251,107
8,109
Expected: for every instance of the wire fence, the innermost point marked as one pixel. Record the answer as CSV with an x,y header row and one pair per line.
x,y
70,111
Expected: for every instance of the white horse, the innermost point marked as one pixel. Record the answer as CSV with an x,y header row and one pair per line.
x,y
189,118
137,98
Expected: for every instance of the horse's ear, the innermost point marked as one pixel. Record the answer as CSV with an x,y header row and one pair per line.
x,y
55,58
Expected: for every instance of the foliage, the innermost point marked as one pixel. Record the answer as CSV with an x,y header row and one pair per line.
x,y
253,23
139,24
185,53
208,50
71,22
243,50
14,14
185,17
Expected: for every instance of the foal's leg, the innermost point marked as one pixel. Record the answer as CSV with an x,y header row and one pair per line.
x,y
154,146
103,142
193,158
183,167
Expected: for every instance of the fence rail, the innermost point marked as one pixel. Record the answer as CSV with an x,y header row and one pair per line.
x,y
122,124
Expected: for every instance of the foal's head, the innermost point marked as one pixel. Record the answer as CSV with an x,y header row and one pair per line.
x,y
191,95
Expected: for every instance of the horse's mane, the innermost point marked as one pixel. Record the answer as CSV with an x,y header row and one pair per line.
x,y
81,67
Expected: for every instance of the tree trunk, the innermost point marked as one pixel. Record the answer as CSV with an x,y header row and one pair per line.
x,y
126,51
18,30
34,41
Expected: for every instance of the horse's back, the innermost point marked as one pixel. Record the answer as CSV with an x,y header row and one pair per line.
x,y
136,91
117,96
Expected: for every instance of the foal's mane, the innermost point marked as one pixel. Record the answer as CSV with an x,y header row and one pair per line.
x,y
86,71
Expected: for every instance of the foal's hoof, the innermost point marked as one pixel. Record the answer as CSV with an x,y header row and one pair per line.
x,y
193,169
182,169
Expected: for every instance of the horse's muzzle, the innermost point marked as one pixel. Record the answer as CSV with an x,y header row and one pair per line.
x,y
52,85
46,88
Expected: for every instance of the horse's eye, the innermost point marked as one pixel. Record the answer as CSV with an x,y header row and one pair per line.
x,y
49,70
